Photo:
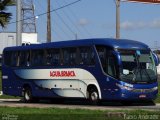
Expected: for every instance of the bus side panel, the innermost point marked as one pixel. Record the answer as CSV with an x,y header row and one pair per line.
x,y
13,85
10,84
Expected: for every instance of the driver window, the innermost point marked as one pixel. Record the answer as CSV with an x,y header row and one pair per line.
x,y
108,60
111,65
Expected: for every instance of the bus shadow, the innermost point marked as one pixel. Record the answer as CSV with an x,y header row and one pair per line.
x,y
102,103
84,103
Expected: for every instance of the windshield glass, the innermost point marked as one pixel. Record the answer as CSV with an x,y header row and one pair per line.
x,y
137,66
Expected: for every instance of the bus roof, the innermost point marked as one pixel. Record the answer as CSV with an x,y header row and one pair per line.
x,y
110,42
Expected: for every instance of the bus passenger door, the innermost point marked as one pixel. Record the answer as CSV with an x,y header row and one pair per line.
x,y
111,70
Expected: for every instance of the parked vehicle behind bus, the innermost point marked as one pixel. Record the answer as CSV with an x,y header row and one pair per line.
x,y
94,69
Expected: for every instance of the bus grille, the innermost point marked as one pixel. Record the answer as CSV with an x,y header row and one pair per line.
x,y
142,90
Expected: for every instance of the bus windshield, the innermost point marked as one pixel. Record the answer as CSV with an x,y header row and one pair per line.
x,y
137,66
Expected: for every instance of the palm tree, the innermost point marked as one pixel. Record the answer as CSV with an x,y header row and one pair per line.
x,y
5,16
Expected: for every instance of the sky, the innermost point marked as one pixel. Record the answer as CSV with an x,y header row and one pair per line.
x,y
96,19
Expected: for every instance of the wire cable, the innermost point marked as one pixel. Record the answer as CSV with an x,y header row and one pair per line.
x,y
76,18
69,18
65,23
54,10
45,22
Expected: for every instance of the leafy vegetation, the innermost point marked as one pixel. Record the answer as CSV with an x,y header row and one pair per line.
x,y
5,16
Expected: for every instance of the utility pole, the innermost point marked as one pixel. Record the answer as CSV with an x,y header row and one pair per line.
x,y
27,9
76,36
117,19
49,22
19,24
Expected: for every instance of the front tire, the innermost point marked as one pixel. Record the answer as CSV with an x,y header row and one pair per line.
x,y
94,96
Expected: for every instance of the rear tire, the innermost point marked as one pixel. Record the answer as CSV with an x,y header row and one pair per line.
x,y
93,96
27,95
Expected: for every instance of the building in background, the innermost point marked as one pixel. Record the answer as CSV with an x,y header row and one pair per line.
x,y
8,39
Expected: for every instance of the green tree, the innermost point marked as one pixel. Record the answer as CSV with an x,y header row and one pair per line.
x,y
5,17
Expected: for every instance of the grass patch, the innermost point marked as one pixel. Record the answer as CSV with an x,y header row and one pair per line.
x,y
78,114
0,80
9,97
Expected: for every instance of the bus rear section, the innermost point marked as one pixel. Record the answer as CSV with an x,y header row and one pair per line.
x,y
65,72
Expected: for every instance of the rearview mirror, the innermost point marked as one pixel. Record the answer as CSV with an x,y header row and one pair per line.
x,y
156,59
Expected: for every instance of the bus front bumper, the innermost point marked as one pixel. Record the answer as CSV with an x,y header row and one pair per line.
x,y
138,95
135,93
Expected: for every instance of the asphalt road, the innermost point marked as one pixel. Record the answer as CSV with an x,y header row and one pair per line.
x,y
77,105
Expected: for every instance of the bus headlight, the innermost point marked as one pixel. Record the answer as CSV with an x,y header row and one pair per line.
x,y
155,88
124,87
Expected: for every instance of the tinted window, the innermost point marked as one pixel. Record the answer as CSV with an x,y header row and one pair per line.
x,y
111,65
69,56
53,57
87,56
37,58
66,57
7,58
15,59
24,58
102,56
108,61
27,58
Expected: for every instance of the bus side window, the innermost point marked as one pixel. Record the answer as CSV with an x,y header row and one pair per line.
x,y
27,58
66,56
22,58
55,57
69,56
48,56
7,58
15,59
87,56
73,56
37,58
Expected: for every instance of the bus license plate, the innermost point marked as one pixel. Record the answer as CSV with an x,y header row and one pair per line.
x,y
142,96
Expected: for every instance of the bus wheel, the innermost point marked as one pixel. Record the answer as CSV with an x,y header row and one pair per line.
x,y
94,96
27,95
